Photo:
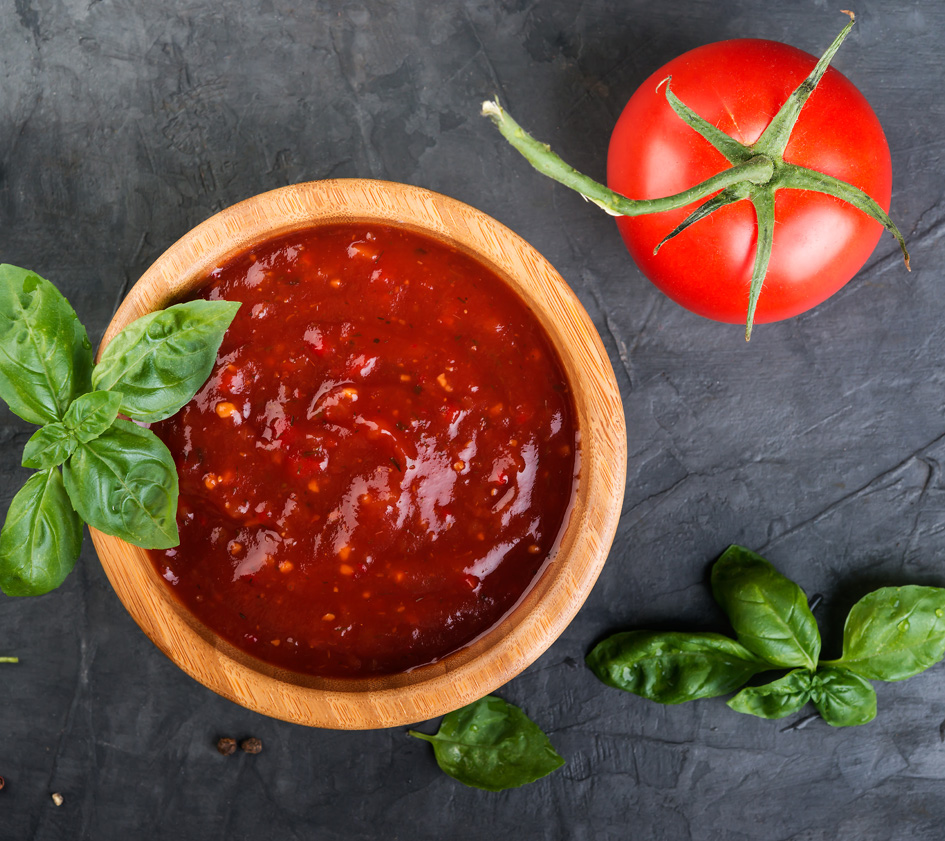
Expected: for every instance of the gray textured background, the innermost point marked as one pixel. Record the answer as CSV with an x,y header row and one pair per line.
x,y
123,123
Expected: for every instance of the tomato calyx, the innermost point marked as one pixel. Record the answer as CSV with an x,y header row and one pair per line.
x,y
757,172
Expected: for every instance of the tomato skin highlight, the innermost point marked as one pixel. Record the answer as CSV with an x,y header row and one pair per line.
x,y
820,242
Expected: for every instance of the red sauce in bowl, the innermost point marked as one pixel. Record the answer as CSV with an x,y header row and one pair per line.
x,y
381,462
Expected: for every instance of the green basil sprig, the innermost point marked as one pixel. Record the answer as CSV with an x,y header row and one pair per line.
x,y
493,745
93,465
891,634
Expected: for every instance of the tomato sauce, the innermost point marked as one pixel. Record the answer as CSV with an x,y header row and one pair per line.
x,y
381,461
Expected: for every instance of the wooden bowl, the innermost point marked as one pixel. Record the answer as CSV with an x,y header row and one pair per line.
x,y
541,615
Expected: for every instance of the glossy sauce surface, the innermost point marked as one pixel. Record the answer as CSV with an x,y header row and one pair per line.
x,y
381,461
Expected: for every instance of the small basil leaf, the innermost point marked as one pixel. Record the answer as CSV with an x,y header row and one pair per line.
x,y
492,745
894,633
124,483
158,362
91,414
670,667
842,698
777,699
49,446
41,538
769,612
45,354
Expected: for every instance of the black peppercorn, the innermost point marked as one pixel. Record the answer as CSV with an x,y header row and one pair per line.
x,y
251,745
226,746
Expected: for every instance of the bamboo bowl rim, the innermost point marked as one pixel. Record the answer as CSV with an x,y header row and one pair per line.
x,y
566,580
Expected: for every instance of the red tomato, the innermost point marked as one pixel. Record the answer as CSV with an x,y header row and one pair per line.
x,y
820,242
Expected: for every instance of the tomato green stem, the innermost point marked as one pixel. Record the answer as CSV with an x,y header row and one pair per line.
x,y
756,170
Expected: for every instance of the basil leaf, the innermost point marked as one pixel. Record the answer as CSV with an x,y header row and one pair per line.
x,y
45,354
41,538
91,414
49,446
777,699
894,633
670,667
769,612
124,483
158,362
842,698
492,745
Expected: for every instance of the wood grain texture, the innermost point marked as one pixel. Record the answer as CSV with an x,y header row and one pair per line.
x,y
542,613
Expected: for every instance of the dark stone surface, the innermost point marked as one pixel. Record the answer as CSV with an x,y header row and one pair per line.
x,y
124,123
